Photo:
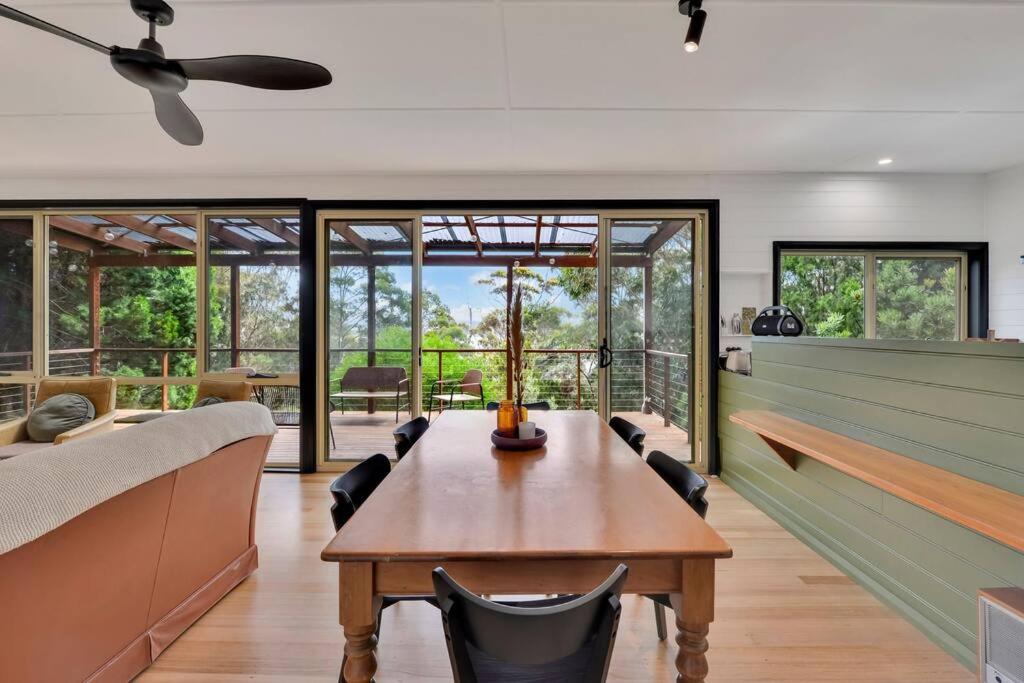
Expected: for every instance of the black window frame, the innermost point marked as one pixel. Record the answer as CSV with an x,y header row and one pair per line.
x,y
976,275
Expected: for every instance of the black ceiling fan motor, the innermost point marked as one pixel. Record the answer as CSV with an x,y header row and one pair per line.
x,y
154,11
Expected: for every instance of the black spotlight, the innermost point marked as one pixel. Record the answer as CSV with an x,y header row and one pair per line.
x,y
698,17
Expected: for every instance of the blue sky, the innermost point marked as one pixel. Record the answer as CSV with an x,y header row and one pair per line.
x,y
459,289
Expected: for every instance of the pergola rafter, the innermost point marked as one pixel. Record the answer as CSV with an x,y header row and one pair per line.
x,y
348,234
275,227
158,232
97,233
476,235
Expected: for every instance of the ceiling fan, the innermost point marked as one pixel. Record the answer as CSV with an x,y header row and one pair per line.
x,y
165,78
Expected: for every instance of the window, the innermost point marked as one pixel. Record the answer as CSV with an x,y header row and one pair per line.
x,y
16,291
879,293
252,313
122,291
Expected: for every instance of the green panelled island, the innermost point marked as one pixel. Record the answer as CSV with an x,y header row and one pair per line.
x,y
952,405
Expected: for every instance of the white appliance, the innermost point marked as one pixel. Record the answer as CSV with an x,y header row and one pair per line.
x,y
1001,639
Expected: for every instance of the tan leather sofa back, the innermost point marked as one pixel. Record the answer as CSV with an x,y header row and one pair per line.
x,y
100,597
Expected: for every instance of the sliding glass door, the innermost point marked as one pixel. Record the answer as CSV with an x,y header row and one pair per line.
x,y
368,368
649,356
412,311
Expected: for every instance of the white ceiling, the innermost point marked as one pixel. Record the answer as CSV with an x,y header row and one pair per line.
x,y
533,85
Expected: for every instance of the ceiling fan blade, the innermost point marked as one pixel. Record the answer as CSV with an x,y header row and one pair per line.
x,y
258,71
29,20
177,119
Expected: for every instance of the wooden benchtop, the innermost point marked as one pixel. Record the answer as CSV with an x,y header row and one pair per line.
x,y
986,509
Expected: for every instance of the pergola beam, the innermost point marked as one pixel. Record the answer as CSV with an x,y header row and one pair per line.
x,y
96,233
660,238
536,236
220,232
71,242
476,235
275,227
292,260
351,236
158,232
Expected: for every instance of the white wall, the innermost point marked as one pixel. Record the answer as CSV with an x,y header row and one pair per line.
x,y
755,209
1004,223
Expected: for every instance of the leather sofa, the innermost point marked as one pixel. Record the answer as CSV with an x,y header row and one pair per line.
x,y
112,584
101,391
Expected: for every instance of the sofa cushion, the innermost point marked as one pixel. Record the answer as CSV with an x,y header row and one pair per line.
x,y
208,401
59,414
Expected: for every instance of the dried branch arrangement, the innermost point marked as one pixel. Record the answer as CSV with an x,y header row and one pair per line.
x,y
516,343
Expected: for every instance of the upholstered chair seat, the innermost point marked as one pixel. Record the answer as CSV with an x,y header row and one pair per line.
x,y
101,392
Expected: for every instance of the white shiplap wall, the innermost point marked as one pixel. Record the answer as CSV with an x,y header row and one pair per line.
x,y
755,209
1004,223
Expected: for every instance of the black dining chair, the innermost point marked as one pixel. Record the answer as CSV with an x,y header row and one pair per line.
x,y
537,405
350,491
567,639
691,487
630,433
408,434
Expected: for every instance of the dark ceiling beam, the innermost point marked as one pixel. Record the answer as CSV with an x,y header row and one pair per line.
x,y
155,231
96,233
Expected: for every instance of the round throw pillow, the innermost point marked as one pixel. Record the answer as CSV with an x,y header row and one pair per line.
x,y
59,414
208,401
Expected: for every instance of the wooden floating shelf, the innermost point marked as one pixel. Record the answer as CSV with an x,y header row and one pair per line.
x,y
986,509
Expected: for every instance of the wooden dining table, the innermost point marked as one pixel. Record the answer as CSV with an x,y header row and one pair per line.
x,y
557,519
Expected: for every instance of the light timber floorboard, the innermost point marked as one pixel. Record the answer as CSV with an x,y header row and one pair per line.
x,y
782,614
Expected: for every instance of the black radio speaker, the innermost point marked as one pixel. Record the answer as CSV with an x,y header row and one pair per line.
x,y
776,321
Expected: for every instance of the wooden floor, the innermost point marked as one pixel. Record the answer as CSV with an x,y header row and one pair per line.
x,y
783,614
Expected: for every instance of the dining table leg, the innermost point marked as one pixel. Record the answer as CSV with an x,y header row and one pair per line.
x,y
695,610
358,612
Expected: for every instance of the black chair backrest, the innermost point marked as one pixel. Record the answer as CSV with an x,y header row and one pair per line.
x,y
630,433
688,484
538,405
570,641
408,434
351,489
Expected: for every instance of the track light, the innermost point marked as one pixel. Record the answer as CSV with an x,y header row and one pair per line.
x,y
698,17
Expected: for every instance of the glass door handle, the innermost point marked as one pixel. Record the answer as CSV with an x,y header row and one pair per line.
x,y
605,355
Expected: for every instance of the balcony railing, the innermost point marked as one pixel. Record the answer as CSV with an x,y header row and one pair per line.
x,y
642,380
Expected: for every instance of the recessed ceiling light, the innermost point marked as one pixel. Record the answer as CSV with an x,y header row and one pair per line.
x,y
885,162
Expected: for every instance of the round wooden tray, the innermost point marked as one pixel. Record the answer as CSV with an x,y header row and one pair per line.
x,y
514,444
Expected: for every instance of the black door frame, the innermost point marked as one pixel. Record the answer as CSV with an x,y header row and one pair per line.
x,y
307,287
